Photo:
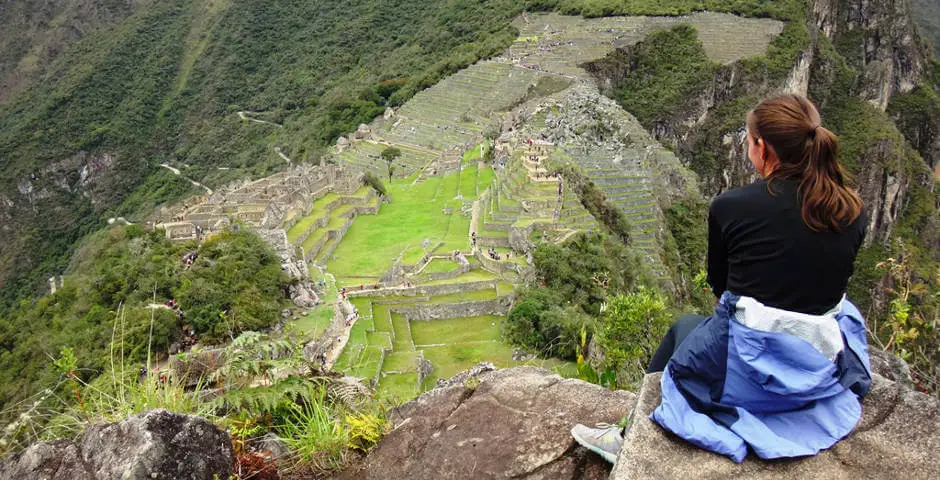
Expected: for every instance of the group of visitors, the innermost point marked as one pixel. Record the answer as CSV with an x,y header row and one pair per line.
x,y
352,317
495,255
190,258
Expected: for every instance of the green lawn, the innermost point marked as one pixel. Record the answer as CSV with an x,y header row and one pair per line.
x,y
379,339
402,340
439,265
363,305
473,154
458,234
336,222
471,276
313,324
399,387
303,224
368,365
456,330
468,182
473,295
357,334
414,215
400,362
317,211
448,360
504,288
487,175
380,318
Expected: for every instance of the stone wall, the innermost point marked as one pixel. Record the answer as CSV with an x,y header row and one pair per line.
x,y
462,269
423,290
336,235
502,242
499,306
496,266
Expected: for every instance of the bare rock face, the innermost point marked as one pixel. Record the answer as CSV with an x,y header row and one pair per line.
x,y
897,437
511,423
154,445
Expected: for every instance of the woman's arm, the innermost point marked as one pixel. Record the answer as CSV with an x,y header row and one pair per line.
x,y
717,257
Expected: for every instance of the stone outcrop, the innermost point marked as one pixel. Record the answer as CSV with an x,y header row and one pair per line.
x,y
514,423
897,437
510,423
153,445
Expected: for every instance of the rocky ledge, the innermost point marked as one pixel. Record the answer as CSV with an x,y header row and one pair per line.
x,y
513,423
154,445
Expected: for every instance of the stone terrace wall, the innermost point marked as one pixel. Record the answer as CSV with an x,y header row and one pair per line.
x,y
422,290
499,306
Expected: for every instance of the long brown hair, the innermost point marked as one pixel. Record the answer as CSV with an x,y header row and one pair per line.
x,y
808,154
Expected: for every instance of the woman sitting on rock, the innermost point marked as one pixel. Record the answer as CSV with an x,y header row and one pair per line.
x,y
782,363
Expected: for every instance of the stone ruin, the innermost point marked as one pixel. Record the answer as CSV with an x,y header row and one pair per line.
x,y
265,204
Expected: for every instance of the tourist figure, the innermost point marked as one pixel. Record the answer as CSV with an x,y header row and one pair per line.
x,y
780,253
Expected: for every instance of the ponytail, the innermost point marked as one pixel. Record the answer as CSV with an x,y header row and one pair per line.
x,y
808,154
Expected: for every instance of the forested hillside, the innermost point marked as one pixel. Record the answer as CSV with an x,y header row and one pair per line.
x,y
545,206
83,143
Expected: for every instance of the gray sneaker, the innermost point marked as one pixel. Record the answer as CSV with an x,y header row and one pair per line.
x,y
605,440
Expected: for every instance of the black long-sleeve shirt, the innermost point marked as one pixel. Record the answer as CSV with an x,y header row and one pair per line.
x,y
758,246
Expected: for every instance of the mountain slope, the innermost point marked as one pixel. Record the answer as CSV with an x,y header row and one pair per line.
x,y
85,141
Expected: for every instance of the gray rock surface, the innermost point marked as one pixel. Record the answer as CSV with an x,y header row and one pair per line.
x,y
154,445
513,424
897,437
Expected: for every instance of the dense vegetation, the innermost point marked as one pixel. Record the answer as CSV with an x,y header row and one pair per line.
x,y
927,15
234,285
167,82
594,201
570,303
661,72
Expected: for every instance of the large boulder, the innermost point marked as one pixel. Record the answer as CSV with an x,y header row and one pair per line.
x,y
897,437
497,424
157,445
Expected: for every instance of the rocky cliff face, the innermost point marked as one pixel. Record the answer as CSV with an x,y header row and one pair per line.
x,y
880,39
855,51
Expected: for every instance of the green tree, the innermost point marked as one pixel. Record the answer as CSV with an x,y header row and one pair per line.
x,y
633,326
389,155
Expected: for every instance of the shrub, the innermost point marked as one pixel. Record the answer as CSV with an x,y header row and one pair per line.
x,y
371,180
633,326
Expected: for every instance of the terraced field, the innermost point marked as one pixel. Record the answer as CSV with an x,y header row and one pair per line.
x,y
368,156
428,313
422,219
323,227
526,197
624,177
560,43
388,346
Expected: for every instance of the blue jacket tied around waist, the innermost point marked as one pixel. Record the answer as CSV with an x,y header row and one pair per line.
x,y
783,383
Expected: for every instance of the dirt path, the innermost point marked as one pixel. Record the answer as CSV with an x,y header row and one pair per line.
x,y
244,116
176,171
278,151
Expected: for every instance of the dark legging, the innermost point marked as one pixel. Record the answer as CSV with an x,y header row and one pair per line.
x,y
676,334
